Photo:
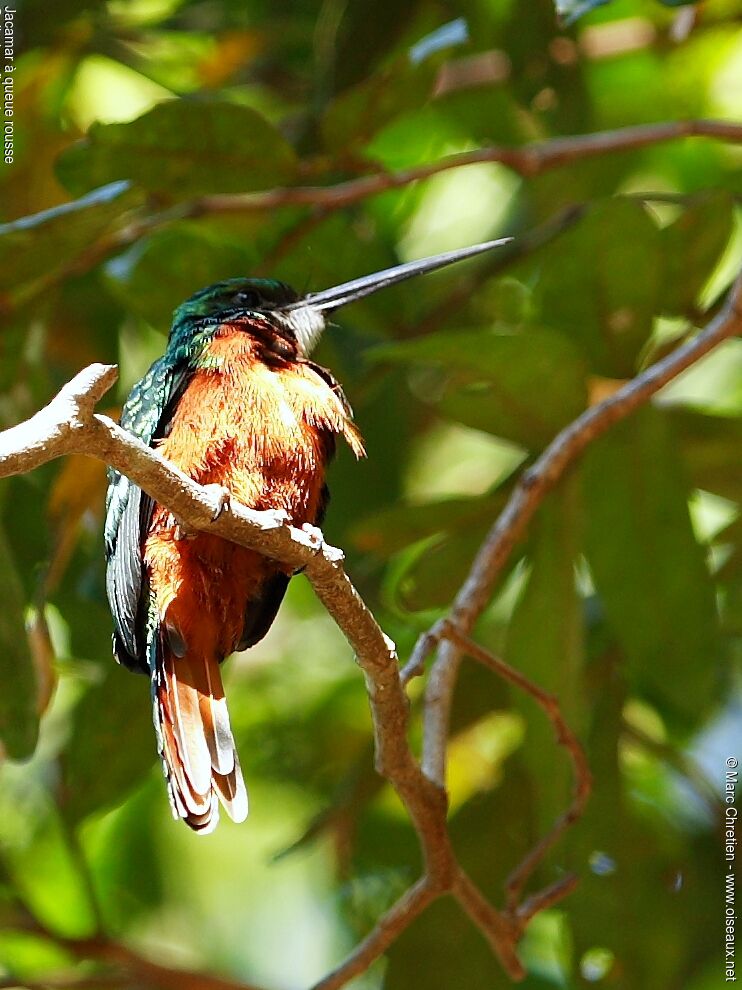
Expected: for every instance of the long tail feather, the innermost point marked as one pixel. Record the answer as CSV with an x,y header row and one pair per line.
x,y
194,735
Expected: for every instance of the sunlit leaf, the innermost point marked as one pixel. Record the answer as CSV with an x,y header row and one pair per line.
x,y
123,856
29,955
40,857
692,246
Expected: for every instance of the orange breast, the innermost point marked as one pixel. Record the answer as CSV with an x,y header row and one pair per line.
x,y
251,428
262,433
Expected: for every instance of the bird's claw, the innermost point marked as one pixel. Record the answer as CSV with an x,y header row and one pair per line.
x,y
316,539
181,531
220,498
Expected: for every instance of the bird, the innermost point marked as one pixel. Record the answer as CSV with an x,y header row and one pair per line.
x,y
235,401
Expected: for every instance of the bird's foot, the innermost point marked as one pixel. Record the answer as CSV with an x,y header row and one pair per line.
x,y
220,497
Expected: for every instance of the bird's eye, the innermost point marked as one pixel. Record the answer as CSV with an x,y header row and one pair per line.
x,y
247,298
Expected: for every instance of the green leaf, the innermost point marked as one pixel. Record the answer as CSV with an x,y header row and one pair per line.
x,y
37,246
394,528
158,273
185,149
710,447
648,568
600,284
38,855
545,642
111,746
19,721
692,246
428,574
358,113
524,387
122,852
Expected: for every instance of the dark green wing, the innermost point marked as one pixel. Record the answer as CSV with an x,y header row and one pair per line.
x,y
146,414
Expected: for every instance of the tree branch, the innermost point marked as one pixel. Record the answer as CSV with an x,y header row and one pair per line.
x,y
534,484
122,965
143,971
528,161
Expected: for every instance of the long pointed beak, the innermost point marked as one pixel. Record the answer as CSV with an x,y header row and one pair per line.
x,y
348,292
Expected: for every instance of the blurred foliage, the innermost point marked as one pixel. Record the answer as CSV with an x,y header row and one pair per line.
x,y
625,598
570,10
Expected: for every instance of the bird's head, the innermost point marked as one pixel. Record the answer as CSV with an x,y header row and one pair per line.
x,y
269,307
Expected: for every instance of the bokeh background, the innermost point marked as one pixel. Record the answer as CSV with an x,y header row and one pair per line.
x,y
626,598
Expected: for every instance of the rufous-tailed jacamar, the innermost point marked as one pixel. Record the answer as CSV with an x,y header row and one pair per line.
x,y
235,402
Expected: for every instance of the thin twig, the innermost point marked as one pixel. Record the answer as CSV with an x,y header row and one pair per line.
x,y
564,737
399,917
546,898
424,646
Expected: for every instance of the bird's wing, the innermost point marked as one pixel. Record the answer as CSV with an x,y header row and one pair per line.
x,y
146,414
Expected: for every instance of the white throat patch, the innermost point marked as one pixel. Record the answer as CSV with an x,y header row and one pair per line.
x,y
307,325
